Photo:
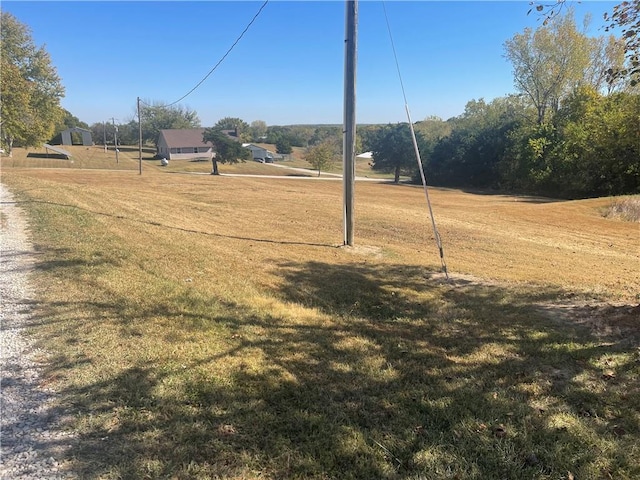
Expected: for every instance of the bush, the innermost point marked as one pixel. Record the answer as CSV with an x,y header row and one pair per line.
x,y
626,208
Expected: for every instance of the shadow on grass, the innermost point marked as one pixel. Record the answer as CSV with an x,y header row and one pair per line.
x,y
48,156
393,375
524,198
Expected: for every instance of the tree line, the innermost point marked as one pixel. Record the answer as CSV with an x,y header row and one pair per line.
x,y
573,129
589,147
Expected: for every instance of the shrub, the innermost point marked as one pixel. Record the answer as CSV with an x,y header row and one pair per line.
x,y
624,208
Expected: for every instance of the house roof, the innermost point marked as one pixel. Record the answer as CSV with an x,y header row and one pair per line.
x,y
77,129
184,137
233,134
252,146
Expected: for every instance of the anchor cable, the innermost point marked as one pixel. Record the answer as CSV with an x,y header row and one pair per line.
x,y
436,234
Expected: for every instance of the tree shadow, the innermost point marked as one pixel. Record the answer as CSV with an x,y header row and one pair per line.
x,y
511,196
397,375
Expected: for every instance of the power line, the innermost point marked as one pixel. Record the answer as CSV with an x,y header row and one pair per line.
x,y
221,60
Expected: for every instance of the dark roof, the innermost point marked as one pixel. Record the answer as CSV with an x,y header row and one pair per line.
x,y
232,134
77,129
184,137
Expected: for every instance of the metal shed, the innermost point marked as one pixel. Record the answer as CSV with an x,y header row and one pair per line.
x,y
87,141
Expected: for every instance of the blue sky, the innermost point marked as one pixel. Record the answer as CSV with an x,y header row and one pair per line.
x,y
288,67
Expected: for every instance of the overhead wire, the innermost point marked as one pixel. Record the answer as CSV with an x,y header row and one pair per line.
x,y
246,29
436,234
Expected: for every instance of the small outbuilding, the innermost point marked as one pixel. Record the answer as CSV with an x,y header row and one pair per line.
x,y
67,138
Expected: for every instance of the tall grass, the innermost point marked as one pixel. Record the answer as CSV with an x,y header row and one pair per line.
x,y
625,208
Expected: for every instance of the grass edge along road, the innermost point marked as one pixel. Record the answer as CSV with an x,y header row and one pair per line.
x,y
205,327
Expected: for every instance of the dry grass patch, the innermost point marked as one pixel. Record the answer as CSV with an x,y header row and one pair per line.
x,y
625,208
94,157
211,327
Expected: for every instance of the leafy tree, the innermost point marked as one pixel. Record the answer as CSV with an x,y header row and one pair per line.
x,y
365,135
322,133
227,150
240,127
128,133
599,151
626,16
588,148
433,128
606,57
297,136
283,145
98,132
159,117
321,156
29,86
548,62
472,153
258,130
393,151
69,121
527,165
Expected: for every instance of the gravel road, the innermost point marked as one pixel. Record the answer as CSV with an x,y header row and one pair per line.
x,y
32,443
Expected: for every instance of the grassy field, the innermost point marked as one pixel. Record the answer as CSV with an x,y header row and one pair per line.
x,y
206,327
96,157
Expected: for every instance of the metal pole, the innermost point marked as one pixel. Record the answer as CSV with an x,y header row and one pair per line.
x,y
115,138
349,136
104,135
139,140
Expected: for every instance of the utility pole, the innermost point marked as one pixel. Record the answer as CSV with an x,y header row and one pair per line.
x,y
104,136
115,138
349,134
139,140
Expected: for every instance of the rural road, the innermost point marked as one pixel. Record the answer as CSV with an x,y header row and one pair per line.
x,y
308,175
329,176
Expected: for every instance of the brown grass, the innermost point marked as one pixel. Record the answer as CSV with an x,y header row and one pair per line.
x,y
509,239
214,327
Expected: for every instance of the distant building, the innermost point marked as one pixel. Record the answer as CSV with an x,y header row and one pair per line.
x,y
260,154
176,144
84,133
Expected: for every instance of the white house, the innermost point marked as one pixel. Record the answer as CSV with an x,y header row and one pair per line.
x,y
260,154
176,144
